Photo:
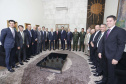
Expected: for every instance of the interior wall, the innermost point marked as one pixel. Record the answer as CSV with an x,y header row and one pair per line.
x,y
111,7
44,13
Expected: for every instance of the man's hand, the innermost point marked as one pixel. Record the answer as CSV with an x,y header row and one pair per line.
x,y
18,48
99,55
59,39
32,43
28,46
92,45
45,40
114,62
54,40
49,40
64,39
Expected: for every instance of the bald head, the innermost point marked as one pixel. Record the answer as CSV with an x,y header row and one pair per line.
x,y
39,28
97,27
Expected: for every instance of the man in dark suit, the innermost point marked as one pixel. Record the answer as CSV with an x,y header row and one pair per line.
x,y
22,44
102,61
47,40
39,40
69,39
30,41
34,37
8,40
63,38
113,45
51,38
57,38
90,47
43,38
94,46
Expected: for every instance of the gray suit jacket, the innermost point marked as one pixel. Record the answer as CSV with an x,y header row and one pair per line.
x,y
39,36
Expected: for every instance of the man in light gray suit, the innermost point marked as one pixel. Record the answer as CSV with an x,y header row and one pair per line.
x,y
39,40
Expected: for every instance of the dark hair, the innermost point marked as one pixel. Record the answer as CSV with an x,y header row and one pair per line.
x,y
43,26
75,28
20,26
104,24
11,21
82,28
62,26
112,16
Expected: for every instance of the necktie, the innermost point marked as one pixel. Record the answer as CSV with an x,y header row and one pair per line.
x,y
13,32
22,34
52,33
99,36
108,33
30,33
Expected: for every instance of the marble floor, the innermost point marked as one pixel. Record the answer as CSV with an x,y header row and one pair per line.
x,y
16,77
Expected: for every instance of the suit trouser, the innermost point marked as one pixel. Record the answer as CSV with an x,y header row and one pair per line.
x,y
57,44
10,57
98,62
104,67
50,44
75,44
69,45
43,44
63,44
29,51
47,44
39,47
81,45
112,78
34,48
21,51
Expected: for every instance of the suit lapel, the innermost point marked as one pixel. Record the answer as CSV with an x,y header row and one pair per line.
x,y
110,33
10,32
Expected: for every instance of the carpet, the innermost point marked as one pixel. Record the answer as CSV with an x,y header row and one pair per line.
x,y
76,73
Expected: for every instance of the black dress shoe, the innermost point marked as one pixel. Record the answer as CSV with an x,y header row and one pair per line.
x,y
11,70
73,50
28,59
94,71
21,64
93,67
91,63
98,81
97,74
15,66
25,61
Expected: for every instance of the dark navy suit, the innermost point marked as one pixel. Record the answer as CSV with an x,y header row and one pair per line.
x,y
63,36
57,37
30,40
113,46
51,38
69,39
34,46
9,43
43,39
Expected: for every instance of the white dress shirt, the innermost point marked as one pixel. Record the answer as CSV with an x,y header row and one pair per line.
x,y
95,35
100,38
12,31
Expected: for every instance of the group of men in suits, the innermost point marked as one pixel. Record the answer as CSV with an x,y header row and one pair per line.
x,y
30,42
106,50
